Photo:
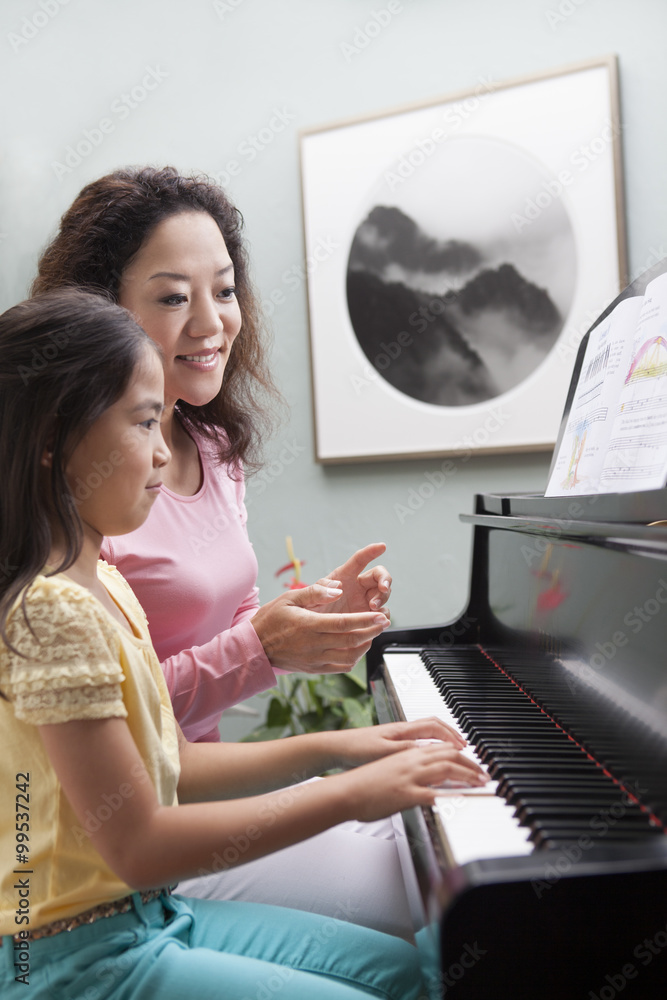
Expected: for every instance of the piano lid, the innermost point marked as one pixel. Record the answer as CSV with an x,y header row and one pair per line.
x,y
629,508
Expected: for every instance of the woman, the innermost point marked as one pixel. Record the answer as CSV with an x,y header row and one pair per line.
x,y
170,249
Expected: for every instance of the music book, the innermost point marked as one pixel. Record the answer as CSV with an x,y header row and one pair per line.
x,y
615,437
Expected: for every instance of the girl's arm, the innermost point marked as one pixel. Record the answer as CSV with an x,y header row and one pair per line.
x,y
148,844
254,768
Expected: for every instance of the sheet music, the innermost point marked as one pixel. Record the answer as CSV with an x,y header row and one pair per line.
x,y
616,435
584,443
637,452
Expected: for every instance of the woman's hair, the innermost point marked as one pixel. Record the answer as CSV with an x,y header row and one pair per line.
x,y
99,235
65,358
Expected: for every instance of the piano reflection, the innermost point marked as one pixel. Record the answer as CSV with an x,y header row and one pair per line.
x,y
551,882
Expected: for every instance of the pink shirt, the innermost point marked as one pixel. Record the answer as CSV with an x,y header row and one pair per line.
x,y
194,571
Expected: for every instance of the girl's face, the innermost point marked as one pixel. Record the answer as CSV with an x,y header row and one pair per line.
x,y
114,472
180,288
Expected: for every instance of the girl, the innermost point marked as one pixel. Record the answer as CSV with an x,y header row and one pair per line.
x,y
170,249
91,752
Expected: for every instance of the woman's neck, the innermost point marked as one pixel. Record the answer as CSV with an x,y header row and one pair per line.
x,y
169,424
183,473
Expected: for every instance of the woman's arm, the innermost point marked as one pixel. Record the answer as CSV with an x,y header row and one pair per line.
x,y
205,680
148,844
238,663
294,636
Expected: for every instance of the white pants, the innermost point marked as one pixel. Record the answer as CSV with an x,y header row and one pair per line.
x,y
352,872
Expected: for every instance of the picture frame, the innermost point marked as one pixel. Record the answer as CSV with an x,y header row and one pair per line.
x,y
457,250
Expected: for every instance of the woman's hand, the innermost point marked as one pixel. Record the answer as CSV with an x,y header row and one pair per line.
x,y
360,746
405,779
296,637
363,589
328,627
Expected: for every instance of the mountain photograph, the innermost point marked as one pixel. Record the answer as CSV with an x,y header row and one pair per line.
x,y
471,324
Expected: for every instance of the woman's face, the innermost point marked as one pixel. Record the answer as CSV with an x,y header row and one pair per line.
x,y
180,287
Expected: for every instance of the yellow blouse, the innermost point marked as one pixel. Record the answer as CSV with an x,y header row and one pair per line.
x,y
79,663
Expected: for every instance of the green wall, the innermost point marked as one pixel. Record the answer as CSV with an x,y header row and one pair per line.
x,y
212,75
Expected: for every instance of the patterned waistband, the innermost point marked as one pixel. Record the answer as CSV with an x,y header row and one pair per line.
x,y
99,912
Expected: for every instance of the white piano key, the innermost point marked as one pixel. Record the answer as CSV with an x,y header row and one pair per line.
x,y
459,786
416,689
478,828
419,697
476,822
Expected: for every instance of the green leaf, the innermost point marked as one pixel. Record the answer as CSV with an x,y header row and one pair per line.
x,y
311,721
288,687
337,687
316,723
262,733
359,672
358,713
303,703
278,714
357,679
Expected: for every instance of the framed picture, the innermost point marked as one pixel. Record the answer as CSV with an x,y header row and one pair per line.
x,y
457,251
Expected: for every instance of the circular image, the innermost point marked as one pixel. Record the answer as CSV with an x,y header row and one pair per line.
x,y
462,271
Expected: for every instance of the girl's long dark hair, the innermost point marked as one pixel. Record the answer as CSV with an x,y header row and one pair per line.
x,y
99,235
65,357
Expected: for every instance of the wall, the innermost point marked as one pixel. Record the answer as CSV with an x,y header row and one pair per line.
x,y
210,77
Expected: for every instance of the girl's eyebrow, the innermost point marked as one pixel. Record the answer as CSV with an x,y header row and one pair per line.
x,y
186,277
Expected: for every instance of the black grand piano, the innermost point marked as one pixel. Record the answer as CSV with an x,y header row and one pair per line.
x,y
555,884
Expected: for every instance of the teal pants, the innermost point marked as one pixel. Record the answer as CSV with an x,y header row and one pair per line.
x,y
198,949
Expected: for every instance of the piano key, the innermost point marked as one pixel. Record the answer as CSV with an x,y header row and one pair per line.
x,y
555,785
568,793
498,832
570,832
558,767
419,696
546,811
533,754
481,828
420,699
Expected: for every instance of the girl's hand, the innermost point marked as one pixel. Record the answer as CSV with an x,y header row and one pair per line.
x,y
406,779
360,746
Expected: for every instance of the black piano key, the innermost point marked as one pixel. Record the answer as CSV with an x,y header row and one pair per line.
x,y
524,784
545,811
566,793
552,759
550,839
569,827
533,755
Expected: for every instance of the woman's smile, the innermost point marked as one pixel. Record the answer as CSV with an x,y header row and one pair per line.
x,y
203,361
180,287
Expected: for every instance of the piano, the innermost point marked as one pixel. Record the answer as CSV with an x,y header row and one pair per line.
x,y
550,882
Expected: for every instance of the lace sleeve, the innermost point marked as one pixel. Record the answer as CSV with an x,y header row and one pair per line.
x,y
70,668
